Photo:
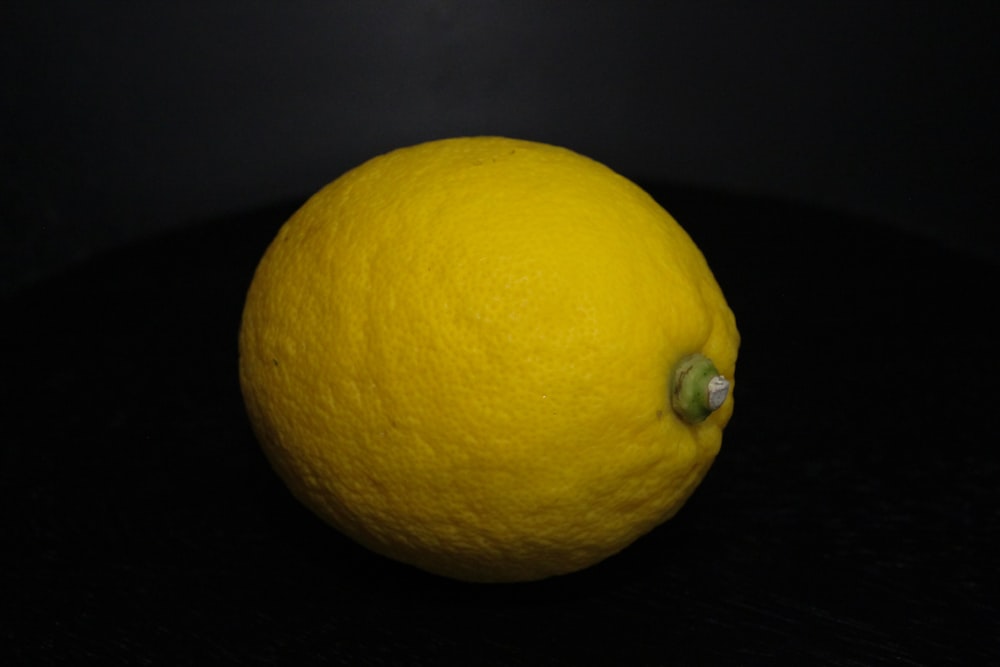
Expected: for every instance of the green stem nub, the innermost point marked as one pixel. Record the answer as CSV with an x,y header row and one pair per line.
x,y
697,389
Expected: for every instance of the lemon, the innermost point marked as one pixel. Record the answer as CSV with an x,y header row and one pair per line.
x,y
492,359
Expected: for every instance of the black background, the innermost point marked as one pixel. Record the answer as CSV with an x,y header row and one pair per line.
x,y
120,119
852,516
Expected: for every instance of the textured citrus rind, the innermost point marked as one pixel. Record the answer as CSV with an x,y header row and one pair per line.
x,y
459,355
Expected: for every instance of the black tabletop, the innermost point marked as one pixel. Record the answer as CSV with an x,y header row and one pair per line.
x,y
850,519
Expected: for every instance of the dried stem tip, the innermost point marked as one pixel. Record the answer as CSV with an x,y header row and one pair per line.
x,y
697,388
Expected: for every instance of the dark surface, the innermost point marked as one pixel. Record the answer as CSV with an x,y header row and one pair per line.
x,y
850,519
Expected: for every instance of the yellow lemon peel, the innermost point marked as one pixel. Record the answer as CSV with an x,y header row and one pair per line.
x,y
463,355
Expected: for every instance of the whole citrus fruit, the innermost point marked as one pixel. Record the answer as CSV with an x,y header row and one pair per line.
x,y
496,360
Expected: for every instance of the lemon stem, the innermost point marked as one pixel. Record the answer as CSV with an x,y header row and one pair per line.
x,y
697,388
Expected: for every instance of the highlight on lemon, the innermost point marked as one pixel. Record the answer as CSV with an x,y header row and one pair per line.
x,y
492,359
